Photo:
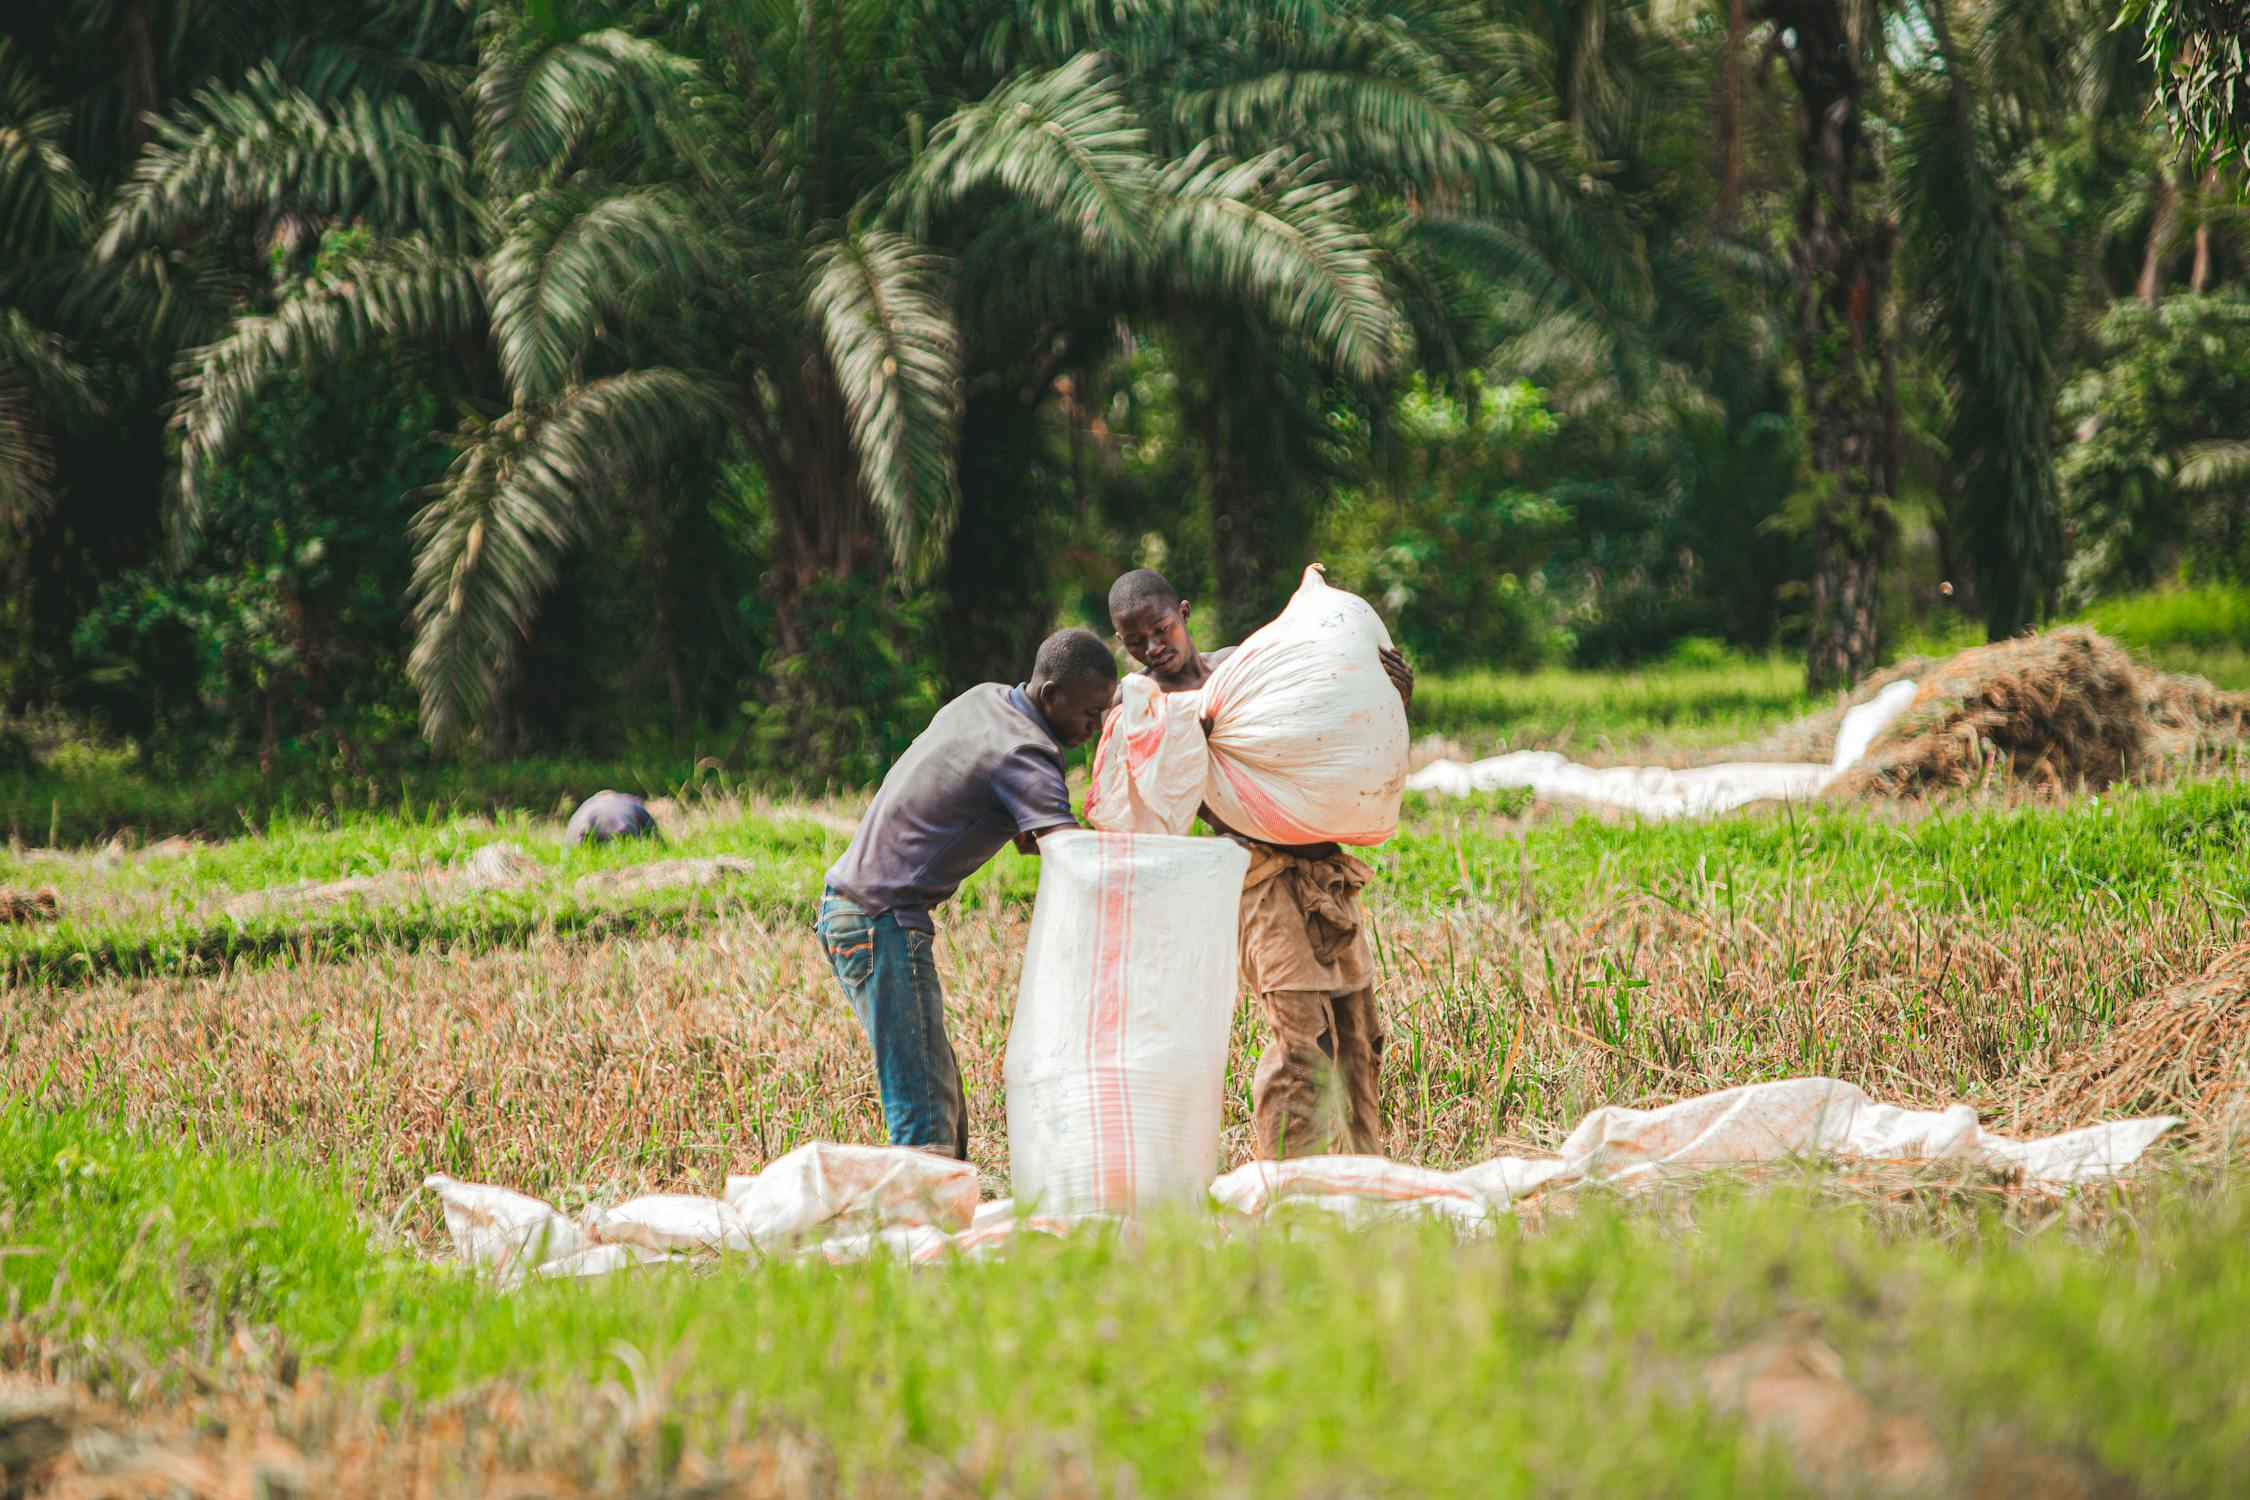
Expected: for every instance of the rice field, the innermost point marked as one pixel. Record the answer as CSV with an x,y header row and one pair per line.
x,y
227,1067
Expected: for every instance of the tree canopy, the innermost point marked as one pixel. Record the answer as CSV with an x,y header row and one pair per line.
x,y
568,372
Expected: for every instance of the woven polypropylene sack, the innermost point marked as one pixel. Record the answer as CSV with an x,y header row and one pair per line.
x,y
1150,766
1308,737
1117,1056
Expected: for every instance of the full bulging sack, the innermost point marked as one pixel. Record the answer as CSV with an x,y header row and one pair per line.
x,y
1116,1058
1307,740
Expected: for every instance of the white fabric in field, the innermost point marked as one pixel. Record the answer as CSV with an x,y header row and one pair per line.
x,y
1660,792
846,1203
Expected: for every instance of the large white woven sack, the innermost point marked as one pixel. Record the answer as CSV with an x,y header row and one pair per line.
x,y
1150,766
1117,1055
1308,737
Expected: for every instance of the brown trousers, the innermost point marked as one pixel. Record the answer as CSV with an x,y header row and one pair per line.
x,y
1314,1091
1305,957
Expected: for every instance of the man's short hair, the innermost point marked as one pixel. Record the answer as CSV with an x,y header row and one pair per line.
x,y
1069,657
1140,589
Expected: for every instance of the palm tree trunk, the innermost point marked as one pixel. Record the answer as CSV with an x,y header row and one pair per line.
x,y
1000,596
2200,277
1842,261
1261,531
2162,226
1730,113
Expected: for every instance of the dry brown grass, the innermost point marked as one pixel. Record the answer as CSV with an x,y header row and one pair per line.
x,y
2183,1050
577,1068
29,906
293,1436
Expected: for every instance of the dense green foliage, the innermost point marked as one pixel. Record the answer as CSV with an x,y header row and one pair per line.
x,y
582,376
2202,78
2155,477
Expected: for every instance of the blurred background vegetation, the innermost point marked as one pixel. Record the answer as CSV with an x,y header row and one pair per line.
x,y
398,388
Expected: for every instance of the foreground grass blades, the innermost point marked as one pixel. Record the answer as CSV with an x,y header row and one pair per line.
x,y
1568,1359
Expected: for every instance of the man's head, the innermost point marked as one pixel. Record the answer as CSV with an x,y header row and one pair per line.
x,y
1151,618
1072,682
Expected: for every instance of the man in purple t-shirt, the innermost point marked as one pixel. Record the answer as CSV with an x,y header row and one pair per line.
x,y
988,770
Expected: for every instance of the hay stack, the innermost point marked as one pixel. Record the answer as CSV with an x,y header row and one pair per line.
x,y
2188,717
2182,1051
2063,710
2053,712
29,906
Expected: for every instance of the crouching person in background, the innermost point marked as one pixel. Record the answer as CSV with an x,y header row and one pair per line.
x,y
1305,956
988,770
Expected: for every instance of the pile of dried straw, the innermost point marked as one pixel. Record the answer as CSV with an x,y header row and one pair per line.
x,y
2184,1050
2051,713
29,906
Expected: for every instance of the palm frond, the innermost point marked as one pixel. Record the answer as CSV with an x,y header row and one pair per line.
x,y
524,489
411,288
27,468
174,297
40,377
1994,333
1275,235
43,200
564,257
2218,466
46,366
268,146
539,98
1066,141
879,302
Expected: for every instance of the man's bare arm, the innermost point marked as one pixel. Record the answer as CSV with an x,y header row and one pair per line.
x,y
1028,843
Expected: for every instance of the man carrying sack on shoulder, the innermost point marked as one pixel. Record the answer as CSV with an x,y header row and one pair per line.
x,y
1305,955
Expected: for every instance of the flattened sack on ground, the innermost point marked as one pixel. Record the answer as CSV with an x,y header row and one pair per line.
x,y
907,1204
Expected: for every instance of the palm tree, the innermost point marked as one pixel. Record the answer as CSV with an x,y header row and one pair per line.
x,y
43,224
1457,184
743,226
1990,297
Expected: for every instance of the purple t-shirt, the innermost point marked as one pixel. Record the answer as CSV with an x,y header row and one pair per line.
x,y
986,769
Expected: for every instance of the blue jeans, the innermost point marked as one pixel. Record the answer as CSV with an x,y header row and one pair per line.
x,y
889,974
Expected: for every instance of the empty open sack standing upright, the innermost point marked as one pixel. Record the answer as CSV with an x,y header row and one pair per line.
x,y
1116,1058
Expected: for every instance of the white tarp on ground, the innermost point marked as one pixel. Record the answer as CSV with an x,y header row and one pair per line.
x,y
846,1203
1659,791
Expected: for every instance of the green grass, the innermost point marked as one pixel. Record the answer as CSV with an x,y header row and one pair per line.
x,y
2093,859
2097,858
2202,632
1395,1361
84,795
1700,698
163,916
2199,631
2214,616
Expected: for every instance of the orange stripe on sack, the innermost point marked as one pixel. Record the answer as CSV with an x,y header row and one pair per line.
x,y
1105,1042
1142,745
1277,826
1101,753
